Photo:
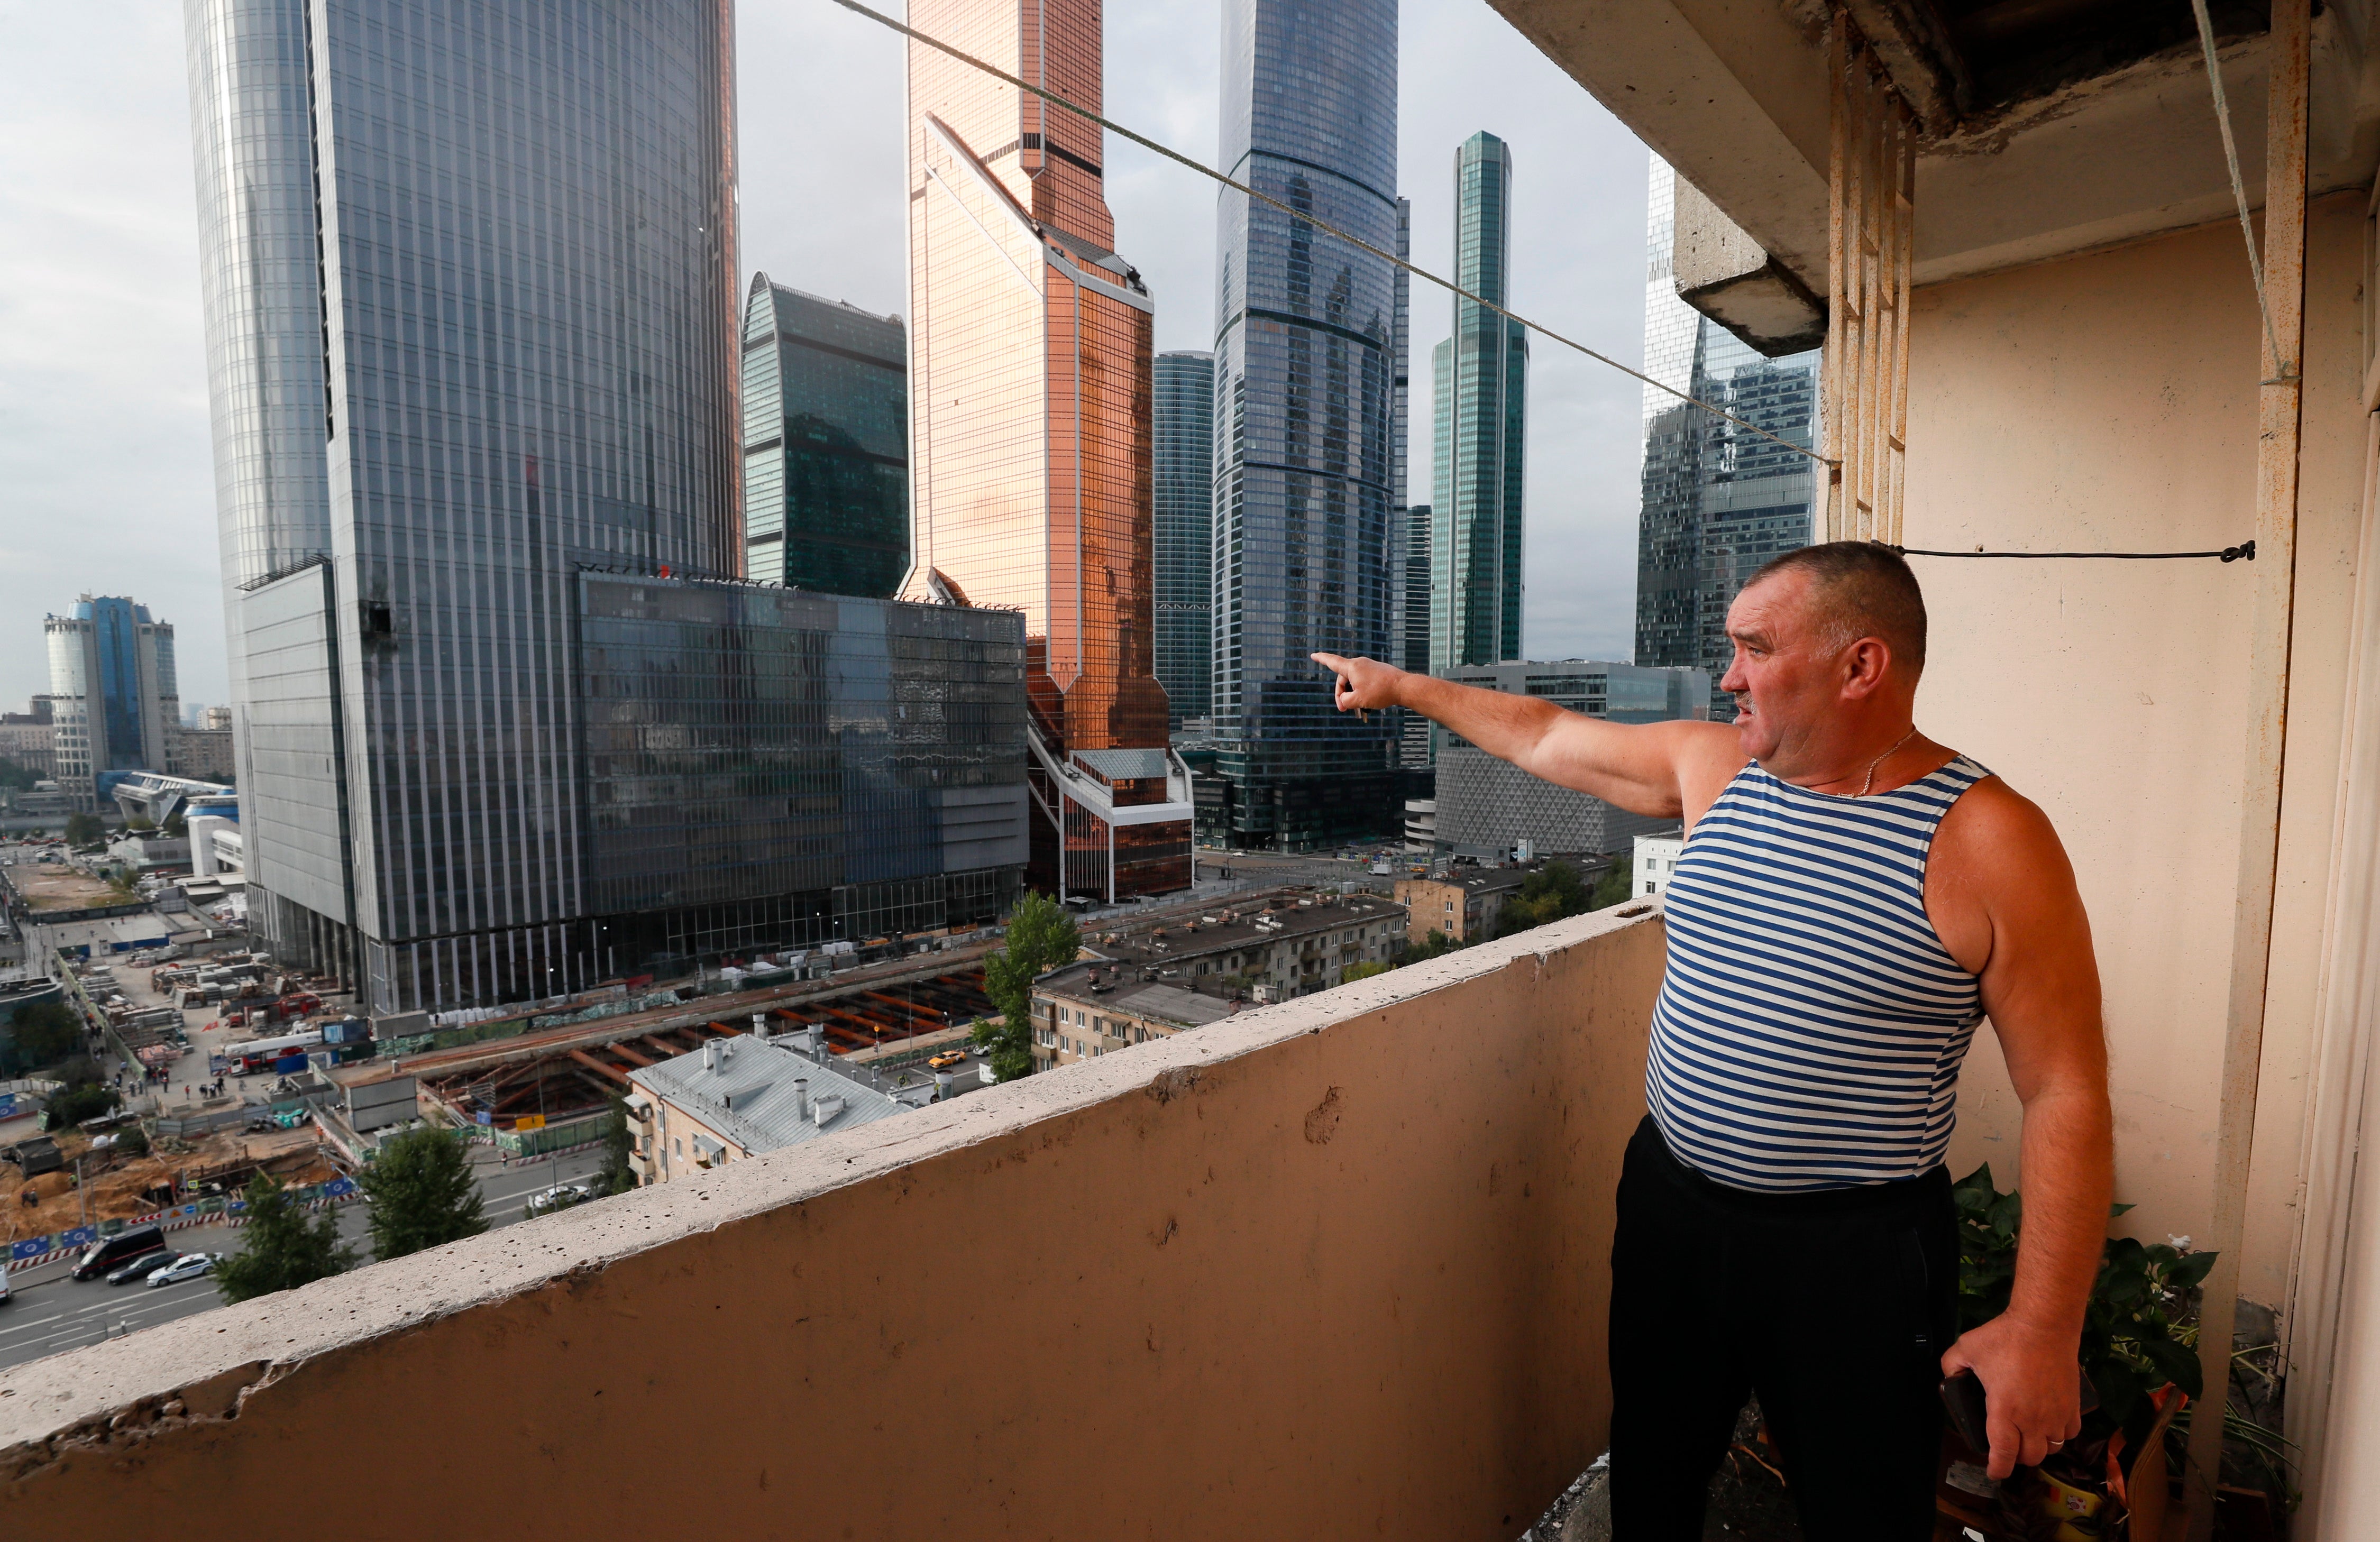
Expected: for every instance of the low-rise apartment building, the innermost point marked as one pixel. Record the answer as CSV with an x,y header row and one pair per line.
x,y
739,1096
1464,902
1653,862
1144,984
1087,1010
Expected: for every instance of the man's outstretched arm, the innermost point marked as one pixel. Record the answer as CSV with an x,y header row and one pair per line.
x,y
1638,767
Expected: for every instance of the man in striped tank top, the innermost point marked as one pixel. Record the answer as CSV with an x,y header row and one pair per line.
x,y
1853,901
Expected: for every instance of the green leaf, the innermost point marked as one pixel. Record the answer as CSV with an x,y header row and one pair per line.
x,y
2119,1386
2189,1270
2174,1361
2114,1210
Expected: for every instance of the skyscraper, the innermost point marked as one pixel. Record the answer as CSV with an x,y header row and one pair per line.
x,y
1718,501
1185,506
470,297
113,701
1305,365
1030,426
826,443
1479,418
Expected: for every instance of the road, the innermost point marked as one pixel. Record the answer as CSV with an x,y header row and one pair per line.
x,y
48,1312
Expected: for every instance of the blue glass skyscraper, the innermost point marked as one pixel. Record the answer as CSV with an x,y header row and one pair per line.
x,y
112,699
1717,502
1305,365
468,272
1185,499
1479,418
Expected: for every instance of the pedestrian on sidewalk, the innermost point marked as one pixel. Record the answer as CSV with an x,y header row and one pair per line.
x,y
1854,899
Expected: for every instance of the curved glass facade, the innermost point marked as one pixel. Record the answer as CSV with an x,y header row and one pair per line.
x,y
1031,415
826,443
1306,371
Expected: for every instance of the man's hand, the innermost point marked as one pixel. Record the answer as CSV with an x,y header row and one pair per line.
x,y
2032,1388
1363,683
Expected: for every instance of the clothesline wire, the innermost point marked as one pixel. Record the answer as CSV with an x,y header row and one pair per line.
x,y
1204,170
2244,551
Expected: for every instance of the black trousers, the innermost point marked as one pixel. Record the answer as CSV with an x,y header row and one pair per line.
x,y
1834,1306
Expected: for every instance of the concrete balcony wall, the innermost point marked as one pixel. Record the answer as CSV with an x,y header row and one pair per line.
x,y
1334,1267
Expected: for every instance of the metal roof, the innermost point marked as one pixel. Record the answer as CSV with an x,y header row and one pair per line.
x,y
749,1093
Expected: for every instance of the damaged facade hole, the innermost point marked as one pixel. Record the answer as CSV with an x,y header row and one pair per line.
x,y
1323,1123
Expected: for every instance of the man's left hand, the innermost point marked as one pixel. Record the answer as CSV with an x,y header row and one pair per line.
x,y
2033,1388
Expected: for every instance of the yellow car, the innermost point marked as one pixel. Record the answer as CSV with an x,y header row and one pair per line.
x,y
947,1058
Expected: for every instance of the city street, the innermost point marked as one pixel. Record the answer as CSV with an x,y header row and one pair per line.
x,y
48,1312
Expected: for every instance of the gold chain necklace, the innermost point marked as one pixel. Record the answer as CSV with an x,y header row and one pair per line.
x,y
1880,759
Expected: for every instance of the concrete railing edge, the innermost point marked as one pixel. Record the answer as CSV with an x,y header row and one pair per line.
x,y
201,1368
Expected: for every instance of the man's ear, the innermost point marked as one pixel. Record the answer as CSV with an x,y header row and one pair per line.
x,y
1866,664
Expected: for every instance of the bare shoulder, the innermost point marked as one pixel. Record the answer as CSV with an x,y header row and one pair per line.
x,y
1994,831
1997,873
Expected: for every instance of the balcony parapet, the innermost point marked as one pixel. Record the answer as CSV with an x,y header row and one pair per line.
x,y
1332,1267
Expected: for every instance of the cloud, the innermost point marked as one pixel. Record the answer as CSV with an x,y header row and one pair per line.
x,y
106,470
106,476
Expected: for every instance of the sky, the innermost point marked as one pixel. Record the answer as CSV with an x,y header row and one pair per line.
x,y
106,476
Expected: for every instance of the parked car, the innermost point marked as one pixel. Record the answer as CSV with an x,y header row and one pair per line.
x,y
561,1196
947,1058
189,1265
105,1253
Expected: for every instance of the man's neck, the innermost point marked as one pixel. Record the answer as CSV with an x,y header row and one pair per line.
x,y
1877,759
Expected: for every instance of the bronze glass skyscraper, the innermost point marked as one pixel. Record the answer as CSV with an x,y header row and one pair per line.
x,y
1030,426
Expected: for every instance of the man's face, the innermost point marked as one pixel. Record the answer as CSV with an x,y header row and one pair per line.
x,y
1786,678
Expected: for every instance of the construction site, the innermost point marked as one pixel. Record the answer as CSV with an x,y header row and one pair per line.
x,y
550,1089
115,1185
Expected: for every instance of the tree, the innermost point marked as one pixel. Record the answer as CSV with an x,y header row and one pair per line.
x,y
421,1193
1362,971
16,778
616,1176
132,1140
140,821
1040,937
1615,885
281,1250
45,1033
83,829
1436,945
1550,893
78,1103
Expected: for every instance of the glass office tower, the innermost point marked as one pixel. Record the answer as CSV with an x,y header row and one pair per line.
x,y
1717,502
469,283
769,767
114,701
1030,426
1305,365
1185,499
1480,415
826,443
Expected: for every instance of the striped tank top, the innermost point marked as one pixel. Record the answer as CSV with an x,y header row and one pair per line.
x,y
1811,1025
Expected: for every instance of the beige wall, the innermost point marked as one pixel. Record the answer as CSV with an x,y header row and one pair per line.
x,y
2108,402
1336,1267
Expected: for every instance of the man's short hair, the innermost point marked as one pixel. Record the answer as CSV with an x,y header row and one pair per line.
x,y
1863,590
